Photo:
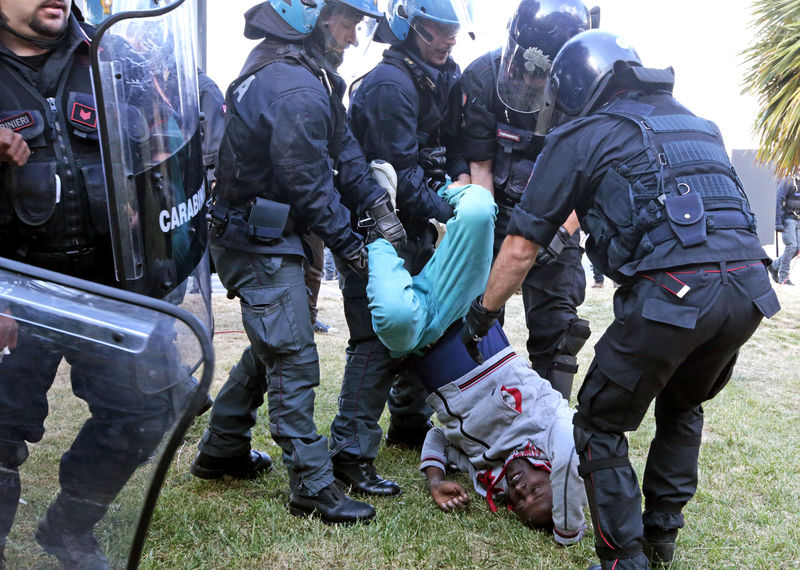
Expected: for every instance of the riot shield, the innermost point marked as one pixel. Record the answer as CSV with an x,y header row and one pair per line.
x,y
97,389
145,82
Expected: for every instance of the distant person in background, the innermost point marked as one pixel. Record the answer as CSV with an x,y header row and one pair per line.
x,y
787,221
598,279
314,270
329,272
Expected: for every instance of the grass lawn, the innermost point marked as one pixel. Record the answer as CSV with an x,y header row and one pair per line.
x,y
746,513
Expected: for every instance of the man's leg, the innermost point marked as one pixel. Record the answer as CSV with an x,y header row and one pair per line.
x,y
313,273
551,295
368,372
791,241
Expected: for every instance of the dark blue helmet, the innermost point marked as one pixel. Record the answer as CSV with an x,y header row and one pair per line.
x,y
536,32
584,68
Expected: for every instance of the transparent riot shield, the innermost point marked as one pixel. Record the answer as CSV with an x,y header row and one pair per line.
x,y
145,82
97,389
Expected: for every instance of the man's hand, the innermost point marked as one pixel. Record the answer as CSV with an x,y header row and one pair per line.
x,y
358,261
8,331
382,221
448,495
13,148
476,326
433,161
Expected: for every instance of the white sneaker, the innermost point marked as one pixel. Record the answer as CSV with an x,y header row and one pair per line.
x,y
386,177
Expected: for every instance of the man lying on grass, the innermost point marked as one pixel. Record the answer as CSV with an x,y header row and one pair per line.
x,y
501,422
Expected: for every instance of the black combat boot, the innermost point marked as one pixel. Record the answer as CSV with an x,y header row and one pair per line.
x,y
247,466
332,506
65,531
361,477
407,437
659,546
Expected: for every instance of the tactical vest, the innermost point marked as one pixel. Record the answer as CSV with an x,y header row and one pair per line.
x,y
696,194
433,96
517,146
792,203
238,190
56,202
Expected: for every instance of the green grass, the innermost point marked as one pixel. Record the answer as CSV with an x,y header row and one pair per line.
x,y
746,513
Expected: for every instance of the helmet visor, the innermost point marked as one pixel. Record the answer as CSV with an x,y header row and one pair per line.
x,y
522,77
442,19
347,32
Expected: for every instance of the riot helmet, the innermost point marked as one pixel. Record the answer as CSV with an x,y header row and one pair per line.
x,y
536,32
345,26
588,68
448,16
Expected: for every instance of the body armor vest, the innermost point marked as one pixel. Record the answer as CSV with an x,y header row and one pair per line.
x,y
696,192
233,184
792,204
57,201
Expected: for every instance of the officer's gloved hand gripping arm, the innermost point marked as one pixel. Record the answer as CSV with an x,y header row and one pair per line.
x,y
515,259
391,114
549,254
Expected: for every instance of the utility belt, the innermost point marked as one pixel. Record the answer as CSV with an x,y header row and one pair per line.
x,y
714,220
265,221
506,199
670,279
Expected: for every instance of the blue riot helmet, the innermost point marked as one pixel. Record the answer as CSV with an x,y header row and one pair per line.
x,y
346,27
450,15
536,32
301,15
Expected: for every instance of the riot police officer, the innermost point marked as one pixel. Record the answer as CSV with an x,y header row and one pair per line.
x,y
398,113
667,218
501,94
54,214
288,164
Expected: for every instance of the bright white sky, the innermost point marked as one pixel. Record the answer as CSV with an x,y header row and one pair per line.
x,y
701,39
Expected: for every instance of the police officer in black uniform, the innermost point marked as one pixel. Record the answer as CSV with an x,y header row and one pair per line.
x,y
668,219
53,214
501,94
398,113
787,222
288,164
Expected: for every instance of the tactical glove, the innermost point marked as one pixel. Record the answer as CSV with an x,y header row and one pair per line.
x,y
549,254
433,161
382,221
476,326
358,261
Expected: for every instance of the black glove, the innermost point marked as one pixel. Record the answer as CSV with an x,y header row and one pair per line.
x,y
476,326
358,261
433,161
549,254
382,221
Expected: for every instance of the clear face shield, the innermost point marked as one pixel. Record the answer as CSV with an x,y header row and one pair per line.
x,y
442,20
347,33
522,77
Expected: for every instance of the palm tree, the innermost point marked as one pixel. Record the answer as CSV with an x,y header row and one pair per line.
x,y
773,76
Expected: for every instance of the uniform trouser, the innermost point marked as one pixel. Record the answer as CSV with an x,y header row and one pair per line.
x,y
372,378
681,353
130,412
791,241
314,272
281,361
551,295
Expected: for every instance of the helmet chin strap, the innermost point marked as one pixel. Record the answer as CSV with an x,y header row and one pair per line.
x,y
47,44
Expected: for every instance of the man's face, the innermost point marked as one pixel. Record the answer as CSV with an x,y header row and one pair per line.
x,y
44,19
437,43
340,31
530,493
